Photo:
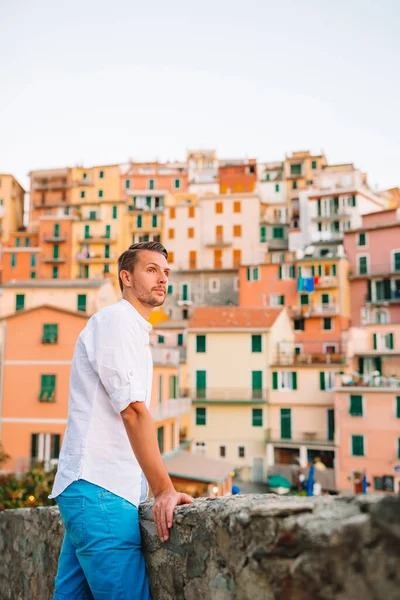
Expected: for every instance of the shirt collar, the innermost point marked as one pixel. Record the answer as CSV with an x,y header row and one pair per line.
x,y
141,320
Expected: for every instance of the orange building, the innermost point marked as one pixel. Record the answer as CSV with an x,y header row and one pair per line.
x,y
163,177
237,176
38,345
55,240
50,192
20,257
12,196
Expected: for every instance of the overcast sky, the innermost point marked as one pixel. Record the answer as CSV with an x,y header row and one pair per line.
x,y
97,82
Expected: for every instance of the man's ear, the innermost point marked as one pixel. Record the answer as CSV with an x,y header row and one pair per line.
x,y
125,278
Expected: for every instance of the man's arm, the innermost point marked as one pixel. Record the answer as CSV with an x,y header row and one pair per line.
x,y
139,426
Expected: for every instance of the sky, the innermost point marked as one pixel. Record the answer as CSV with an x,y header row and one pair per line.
x,y
98,82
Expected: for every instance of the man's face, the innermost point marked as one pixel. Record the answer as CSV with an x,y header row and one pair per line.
x,y
150,278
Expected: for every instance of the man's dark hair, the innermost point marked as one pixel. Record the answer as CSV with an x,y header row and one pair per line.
x,y
130,257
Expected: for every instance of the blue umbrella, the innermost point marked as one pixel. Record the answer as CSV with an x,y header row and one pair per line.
x,y
310,482
365,483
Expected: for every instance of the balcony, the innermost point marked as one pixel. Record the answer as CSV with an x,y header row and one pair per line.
x,y
326,282
55,239
337,216
184,302
97,239
329,237
222,241
54,259
393,298
81,181
308,438
226,394
383,270
309,358
95,258
368,382
315,310
171,409
278,244
165,356
51,185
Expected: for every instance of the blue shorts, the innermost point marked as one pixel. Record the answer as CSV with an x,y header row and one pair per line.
x,y
101,556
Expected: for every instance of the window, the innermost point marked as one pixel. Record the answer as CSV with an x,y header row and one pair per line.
x,y
54,274
242,452
396,261
151,184
286,423
160,438
304,300
331,424
263,233
185,292
33,275
127,184
47,388
237,257
107,233
177,184
284,380
201,384
286,272
356,405
357,445
200,343
278,233
154,220
214,285
327,324
352,201
222,451
101,174
17,242
277,187
237,231
13,260
19,301
326,380
381,317
295,169
256,384
172,212
219,208
83,194
100,193
171,257
256,343
56,251
383,341
27,242
87,232
50,333
313,164
115,212
173,386
276,300
191,212
201,416
362,239
294,185
170,289
139,221
81,304
325,298
84,175
299,324
33,260
45,446
253,274
180,339
171,234
362,265
106,269
257,417
237,207
190,232
398,407
192,259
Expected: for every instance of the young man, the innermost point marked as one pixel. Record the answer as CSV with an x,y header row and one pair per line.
x,y
110,441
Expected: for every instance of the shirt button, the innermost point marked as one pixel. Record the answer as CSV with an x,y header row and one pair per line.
x,y
131,373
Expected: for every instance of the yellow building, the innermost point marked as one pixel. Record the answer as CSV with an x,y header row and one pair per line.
x,y
229,352
12,196
299,171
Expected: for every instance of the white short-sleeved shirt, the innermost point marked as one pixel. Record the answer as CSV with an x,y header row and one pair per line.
x,y
112,367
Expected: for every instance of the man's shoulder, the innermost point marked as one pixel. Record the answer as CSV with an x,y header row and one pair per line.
x,y
109,313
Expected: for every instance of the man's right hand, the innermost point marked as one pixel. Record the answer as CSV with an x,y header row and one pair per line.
x,y
163,510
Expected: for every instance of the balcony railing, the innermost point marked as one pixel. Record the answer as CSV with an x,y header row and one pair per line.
x,y
277,244
219,240
308,358
326,236
51,185
326,281
171,409
221,394
369,380
97,239
165,356
391,298
56,239
54,259
334,216
310,310
298,436
95,258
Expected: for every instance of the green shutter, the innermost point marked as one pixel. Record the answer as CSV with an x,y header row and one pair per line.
x,y
172,386
294,380
13,260
319,270
398,407
322,380
160,439
33,260
127,184
47,388
280,273
115,212
154,221
200,343
17,242
313,164
82,302
201,416
50,333
170,289
312,270
161,339
201,384
108,232
87,232
334,270
101,174
33,275
356,405
374,341
257,417
19,301
286,423
180,339
357,445
390,341
325,298
292,271
256,384
331,424
106,251
299,271
304,301
55,445
151,184
185,292
397,261
263,233
56,251
28,243
56,230
256,343
277,187
160,389
139,221
34,445
100,194
274,380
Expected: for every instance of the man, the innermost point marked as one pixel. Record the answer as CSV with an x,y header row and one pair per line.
x,y
110,441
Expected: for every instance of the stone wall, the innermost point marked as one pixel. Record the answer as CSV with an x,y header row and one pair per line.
x,y
237,548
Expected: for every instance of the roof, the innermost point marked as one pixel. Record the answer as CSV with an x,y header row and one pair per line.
x,y
19,313
170,324
56,283
197,467
233,317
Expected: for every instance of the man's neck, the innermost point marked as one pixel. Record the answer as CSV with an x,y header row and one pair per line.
x,y
144,311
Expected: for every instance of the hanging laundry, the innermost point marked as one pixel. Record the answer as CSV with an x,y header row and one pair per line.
x,y
301,284
316,281
309,284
